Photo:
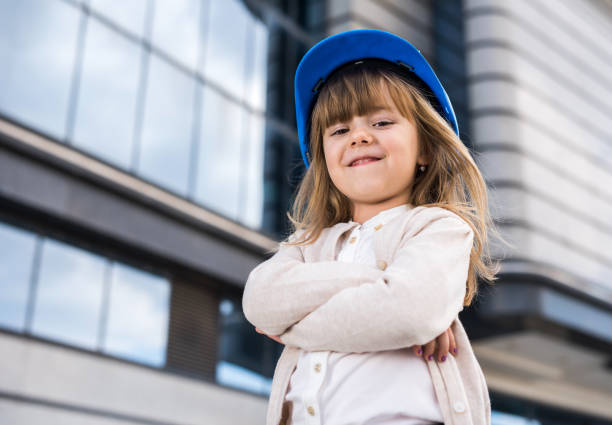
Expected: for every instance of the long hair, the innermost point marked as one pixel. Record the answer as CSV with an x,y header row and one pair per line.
x,y
452,179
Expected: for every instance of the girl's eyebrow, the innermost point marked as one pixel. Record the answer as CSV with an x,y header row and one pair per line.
x,y
373,110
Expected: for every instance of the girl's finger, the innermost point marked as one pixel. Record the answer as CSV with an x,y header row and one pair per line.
x,y
443,344
428,350
453,342
418,350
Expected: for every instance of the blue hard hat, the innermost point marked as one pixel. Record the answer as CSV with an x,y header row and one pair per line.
x,y
339,50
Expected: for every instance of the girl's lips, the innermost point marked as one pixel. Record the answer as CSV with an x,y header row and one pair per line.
x,y
364,161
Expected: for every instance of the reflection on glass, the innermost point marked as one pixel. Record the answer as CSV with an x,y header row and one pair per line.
x,y
257,76
68,295
221,133
167,127
38,41
177,29
226,50
16,255
241,351
502,418
236,376
138,316
253,177
107,96
129,15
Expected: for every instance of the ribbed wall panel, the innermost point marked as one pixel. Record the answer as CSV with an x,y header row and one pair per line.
x,y
540,84
193,336
410,19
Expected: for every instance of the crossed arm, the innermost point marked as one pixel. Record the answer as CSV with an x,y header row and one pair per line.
x,y
414,300
282,290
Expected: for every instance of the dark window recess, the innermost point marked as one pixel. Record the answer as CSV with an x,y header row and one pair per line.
x,y
450,59
241,345
192,337
282,164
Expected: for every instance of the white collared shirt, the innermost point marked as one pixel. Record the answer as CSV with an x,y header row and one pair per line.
x,y
391,387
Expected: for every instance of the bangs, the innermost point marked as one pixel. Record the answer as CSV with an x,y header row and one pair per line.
x,y
350,95
361,90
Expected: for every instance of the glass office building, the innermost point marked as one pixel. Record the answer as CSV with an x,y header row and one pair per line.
x,y
154,144
148,154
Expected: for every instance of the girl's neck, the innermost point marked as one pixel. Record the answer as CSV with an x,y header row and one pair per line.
x,y
363,212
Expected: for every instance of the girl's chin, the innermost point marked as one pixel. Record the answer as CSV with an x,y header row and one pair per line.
x,y
367,197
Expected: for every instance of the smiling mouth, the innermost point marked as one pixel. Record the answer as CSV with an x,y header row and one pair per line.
x,y
363,161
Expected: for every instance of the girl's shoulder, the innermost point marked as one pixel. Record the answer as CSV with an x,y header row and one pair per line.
x,y
423,216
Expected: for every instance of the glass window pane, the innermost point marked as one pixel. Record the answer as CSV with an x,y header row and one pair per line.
x,y
226,49
107,103
68,295
246,358
233,375
16,255
176,29
38,41
253,177
127,14
138,316
167,127
258,75
218,167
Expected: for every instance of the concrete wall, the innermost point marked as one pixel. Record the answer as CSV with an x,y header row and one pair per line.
x,y
50,384
540,87
410,19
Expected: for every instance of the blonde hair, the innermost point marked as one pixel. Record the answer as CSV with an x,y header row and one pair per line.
x,y
452,179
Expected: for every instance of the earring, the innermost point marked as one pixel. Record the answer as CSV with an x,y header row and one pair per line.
x,y
422,168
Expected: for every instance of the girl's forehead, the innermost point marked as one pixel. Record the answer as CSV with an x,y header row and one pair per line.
x,y
357,97
375,109
367,110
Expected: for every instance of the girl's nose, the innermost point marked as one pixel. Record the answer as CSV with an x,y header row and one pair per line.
x,y
360,136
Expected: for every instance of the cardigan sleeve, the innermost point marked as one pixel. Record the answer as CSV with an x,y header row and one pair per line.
x,y
415,299
282,290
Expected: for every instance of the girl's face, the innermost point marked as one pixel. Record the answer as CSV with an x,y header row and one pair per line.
x,y
372,159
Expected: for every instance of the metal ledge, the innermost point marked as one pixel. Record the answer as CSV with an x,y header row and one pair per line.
x,y
59,182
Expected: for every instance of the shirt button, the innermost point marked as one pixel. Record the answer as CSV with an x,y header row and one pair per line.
x,y
459,407
353,239
317,367
381,264
311,410
378,227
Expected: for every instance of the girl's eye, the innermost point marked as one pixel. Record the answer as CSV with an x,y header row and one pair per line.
x,y
384,123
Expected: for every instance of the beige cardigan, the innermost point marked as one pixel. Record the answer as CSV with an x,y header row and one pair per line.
x,y
317,303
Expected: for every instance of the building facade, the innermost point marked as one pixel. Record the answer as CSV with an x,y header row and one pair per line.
x,y
148,154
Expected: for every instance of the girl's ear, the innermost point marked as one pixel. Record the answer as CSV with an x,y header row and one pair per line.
x,y
423,159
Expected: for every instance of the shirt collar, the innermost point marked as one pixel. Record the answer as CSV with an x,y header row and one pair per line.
x,y
383,217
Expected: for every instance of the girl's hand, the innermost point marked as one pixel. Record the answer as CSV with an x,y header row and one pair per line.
x,y
445,344
275,338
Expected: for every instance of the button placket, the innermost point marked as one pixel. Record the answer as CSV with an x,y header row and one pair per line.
x,y
351,247
311,406
318,363
459,407
316,375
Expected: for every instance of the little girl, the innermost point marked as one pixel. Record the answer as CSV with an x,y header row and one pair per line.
x,y
390,236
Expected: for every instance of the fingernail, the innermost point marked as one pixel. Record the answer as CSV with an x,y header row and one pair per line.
x,y
443,358
430,357
420,351
455,350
